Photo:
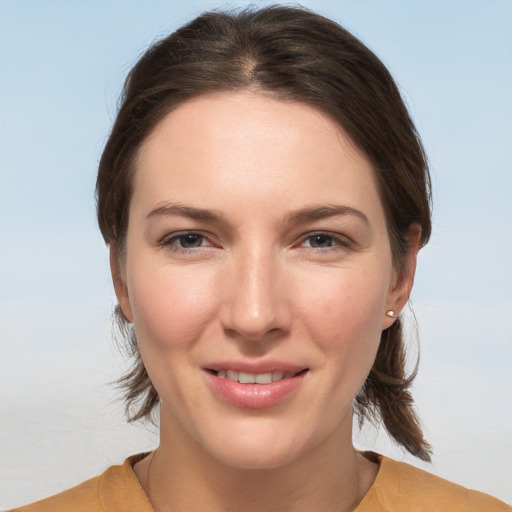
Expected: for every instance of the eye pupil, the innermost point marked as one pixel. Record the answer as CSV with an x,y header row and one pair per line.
x,y
190,241
321,241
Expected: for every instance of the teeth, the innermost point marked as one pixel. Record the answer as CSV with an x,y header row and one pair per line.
x,y
263,378
277,376
251,378
246,378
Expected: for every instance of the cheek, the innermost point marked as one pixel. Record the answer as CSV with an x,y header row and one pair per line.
x,y
344,301
170,306
343,314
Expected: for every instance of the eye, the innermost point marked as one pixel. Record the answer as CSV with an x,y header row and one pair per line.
x,y
325,241
189,240
186,241
320,241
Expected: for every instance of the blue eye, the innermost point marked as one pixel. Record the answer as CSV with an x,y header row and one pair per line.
x,y
325,241
189,240
185,241
321,241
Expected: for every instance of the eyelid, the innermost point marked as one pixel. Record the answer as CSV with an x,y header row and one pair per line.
x,y
341,241
167,242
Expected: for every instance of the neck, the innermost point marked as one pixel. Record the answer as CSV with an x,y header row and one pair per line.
x,y
180,477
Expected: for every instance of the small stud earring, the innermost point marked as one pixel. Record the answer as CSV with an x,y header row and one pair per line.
x,y
391,313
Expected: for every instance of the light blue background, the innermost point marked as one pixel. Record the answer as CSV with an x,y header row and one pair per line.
x,y
62,64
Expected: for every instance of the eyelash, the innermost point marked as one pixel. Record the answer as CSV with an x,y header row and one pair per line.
x,y
337,242
170,242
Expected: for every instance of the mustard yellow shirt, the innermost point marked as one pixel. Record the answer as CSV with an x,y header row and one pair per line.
x,y
398,487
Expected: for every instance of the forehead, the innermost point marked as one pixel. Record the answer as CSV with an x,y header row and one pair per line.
x,y
244,144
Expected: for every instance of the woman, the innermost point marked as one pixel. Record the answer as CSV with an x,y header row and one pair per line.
x,y
264,196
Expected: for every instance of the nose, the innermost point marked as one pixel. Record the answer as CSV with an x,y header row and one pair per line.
x,y
255,300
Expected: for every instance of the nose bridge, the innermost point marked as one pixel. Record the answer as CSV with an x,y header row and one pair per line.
x,y
255,303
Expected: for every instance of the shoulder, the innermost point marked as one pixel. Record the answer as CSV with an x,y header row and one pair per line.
x,y
82,498
114,490
402,487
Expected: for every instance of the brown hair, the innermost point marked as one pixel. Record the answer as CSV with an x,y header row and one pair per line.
x,y
292,54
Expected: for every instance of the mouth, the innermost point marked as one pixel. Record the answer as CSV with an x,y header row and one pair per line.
x,y
261,388
256,378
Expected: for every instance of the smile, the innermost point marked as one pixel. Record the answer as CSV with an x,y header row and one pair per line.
x,y
254,378
259,390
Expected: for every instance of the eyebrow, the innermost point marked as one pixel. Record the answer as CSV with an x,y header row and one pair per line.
x,y
301,216
180,210
322,212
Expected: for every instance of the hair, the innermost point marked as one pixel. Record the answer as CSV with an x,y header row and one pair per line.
x,y
291,54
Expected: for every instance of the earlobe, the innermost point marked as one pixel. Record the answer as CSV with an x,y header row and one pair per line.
x,y
401,290
120,285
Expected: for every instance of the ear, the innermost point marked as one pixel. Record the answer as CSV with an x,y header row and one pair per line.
x,y
402,285
116,269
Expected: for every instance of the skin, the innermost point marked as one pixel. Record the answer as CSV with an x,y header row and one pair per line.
x,y
257,285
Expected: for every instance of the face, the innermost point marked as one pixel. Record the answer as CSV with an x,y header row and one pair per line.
x,y
257,273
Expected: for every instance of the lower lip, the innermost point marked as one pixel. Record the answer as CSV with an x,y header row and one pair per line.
x,y
254,396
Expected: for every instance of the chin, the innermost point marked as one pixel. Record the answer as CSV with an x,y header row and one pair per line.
x,y
259,447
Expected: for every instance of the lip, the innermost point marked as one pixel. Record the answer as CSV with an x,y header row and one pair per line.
x,y
255,367
254,396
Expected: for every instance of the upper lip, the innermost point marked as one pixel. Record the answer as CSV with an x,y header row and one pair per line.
x,y
255,367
